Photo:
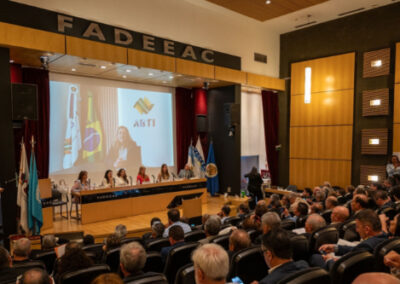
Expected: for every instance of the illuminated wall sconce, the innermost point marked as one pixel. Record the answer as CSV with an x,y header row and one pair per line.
x,y
307,86
376,63
374,141
375,102
373,178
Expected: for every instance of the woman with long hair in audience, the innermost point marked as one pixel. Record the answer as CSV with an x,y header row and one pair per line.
x,y
142,177
73,259
112,242
108,180
122,178
393,166
164,174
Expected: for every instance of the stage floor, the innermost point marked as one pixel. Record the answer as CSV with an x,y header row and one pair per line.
x,y
136,225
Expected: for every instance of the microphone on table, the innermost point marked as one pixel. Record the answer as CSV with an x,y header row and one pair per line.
x,y
89,182
154,178
114,181
173,176
131,180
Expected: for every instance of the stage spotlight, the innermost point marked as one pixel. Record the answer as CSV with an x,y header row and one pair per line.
x,y
45,62
206,85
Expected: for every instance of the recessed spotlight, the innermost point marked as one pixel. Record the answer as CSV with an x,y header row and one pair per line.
x,y
171,76
128,70
268,2
165,82
73,69
103,67
11,61
124,76
150,74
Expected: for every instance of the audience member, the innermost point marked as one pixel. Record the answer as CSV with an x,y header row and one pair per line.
x,y
224,213
7,273
316,208
243,210
331,202
112,242
339,215
22,250
269,221
238,240
314,222
73,259
176,238
174,220
277,250
211,228
383,201
211,264
107,278
121,231
376,278
359,202
48,244
88,240
35,276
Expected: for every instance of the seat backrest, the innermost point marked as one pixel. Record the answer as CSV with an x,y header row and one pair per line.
x,y
150,279
157,245
248,265
342,200
314,275
177,258
195,220
301,221
96,249
195,236
154,262
22,267
349,232
85,275
112,259
389,212
253,234
326,235
185,275
300,247
56,194
233,220
327,216
352,264
48,259
288,224
223,241
133,239
382,249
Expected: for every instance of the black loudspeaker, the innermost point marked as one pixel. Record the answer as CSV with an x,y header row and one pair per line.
x,y
201,123
235,114
24,101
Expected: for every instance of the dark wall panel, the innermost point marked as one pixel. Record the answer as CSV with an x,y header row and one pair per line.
x,y
7,165
368,31
226,148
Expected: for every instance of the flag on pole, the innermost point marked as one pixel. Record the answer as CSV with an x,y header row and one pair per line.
x,y
72,141
35,218
23,178
190,159
199,165
93,141
212,172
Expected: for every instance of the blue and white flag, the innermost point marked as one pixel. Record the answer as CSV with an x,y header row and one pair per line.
x,y
190,160
212,172
35,218
199,165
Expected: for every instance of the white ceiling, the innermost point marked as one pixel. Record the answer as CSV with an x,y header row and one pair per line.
x,y
320,13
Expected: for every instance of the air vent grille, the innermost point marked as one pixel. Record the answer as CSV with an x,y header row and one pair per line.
x,y
260,57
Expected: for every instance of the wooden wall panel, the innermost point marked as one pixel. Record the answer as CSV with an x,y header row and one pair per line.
x,y
396,137
230,75
334,142
397,66
369,109
96,50
366,171
265,82
309,173
374,149
17,36
327,108
328,73
396,107
151,60
370,57
192,68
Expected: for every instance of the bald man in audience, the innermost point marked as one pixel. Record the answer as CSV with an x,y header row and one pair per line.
x,y
238,240
376,278
331,202
35,276
22,250
314,222
339,215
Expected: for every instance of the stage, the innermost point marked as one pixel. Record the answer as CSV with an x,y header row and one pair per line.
x,y
136,225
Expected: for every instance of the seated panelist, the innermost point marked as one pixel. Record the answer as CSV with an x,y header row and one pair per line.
x,y
164,174
122,178
82,183
108,180
142,177
187,172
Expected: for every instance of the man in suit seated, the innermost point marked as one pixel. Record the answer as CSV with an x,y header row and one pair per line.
x,y
278,256
174,217
176,238
22,251
368,226
269,221
238,240
224,213
339,215
35,276
383,201
132,260
7,272
211,264
314,222
211,228
186,172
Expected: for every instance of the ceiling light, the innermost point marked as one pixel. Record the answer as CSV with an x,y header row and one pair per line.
x,y
373,178
11,61
165,82
151,74
124,76
375,102
268,2
103,67
307,85
376,63
128,70
73,69
374,141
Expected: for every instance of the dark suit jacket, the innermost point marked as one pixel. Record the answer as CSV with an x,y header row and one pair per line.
x,y
165,251
284,270
8,274
368,245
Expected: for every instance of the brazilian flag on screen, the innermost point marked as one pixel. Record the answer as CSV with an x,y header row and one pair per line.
x,y
93,139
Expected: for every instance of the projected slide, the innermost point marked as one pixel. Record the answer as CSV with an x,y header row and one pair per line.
x,y
97,125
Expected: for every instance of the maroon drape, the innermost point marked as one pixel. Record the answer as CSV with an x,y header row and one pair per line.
x,y
185,119
271,122
39,129
200,108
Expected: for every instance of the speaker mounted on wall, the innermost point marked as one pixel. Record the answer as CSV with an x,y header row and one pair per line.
x,y
24,102
201,123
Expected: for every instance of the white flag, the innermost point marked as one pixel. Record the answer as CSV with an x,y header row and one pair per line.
x,y
199,165
72,141
23,178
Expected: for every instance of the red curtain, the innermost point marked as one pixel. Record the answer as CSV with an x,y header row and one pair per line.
x,y
271,122
40,128
200,107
